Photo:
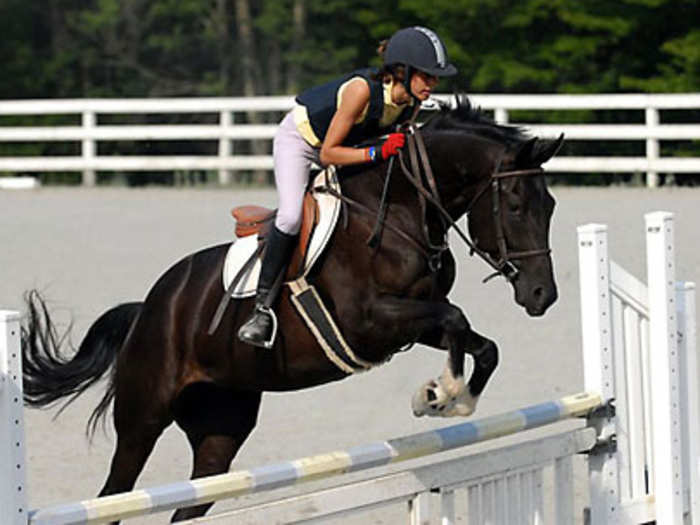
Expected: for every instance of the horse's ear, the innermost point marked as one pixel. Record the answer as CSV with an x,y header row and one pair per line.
x,y
536,152
545,150
524,155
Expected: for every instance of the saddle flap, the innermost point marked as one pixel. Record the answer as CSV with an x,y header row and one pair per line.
x,y
320,211
309,220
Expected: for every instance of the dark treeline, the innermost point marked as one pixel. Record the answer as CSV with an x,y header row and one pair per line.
x,y
96,48
157,48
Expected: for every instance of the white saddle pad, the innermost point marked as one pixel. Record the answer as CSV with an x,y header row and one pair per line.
x,y
242,249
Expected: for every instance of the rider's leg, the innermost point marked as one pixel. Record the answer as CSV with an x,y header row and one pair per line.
x,y
279,245
293,157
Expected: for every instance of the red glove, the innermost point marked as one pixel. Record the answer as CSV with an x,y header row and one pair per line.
x,y
392,144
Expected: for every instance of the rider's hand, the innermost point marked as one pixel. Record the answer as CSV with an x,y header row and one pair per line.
x,y
392,144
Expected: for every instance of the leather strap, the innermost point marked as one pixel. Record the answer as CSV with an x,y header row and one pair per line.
x,y
218,315
367,210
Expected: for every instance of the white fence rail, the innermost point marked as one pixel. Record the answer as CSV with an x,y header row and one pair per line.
x,y
530,482
92,131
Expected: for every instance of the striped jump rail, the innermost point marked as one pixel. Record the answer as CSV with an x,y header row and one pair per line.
x,y
232,484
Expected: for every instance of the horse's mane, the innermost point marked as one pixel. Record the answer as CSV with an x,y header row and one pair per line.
x,y
463,118
472,120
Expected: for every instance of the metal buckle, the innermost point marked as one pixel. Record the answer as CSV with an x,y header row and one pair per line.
x,y
505,268
435,262
606,445
605,411
509,270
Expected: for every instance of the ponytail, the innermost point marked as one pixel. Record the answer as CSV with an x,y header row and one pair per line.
x,y
394,71
382,47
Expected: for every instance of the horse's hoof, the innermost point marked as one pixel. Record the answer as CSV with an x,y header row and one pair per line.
x,y
465,405
418,405
431,399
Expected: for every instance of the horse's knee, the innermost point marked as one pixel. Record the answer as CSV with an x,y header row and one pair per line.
x,y
455,321
485,362
487,356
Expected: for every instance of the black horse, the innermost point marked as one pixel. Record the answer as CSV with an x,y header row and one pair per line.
x,y
166,367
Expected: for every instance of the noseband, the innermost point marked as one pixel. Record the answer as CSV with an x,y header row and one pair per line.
x,y
503,265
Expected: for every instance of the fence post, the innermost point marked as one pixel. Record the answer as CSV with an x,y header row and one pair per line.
x,y
599,365
664,373
419,509
447,507
685,298
564,491
652,120
500,115
225,147
89,122
13,493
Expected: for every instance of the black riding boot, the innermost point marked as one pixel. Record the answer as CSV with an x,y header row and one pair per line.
x,y
257,330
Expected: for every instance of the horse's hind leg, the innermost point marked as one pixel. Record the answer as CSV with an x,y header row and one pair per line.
x,y
139,419
217,421
134,444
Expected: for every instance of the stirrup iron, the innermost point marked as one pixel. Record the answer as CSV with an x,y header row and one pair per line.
x,y
270,342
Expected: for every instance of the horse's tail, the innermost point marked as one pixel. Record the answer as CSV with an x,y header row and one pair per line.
x,y
48,374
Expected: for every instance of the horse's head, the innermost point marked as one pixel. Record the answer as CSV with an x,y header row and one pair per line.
x,y
505,197
511,222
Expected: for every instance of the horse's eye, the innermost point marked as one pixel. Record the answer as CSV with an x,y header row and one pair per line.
x,y
513,203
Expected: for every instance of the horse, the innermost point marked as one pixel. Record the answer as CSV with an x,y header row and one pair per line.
x,y
166,367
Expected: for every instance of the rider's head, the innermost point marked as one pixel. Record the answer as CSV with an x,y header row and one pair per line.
x,y
418,57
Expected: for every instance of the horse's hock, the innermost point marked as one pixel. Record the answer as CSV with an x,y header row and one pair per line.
x,y
635,335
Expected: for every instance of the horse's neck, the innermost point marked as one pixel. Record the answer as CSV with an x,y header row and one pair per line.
x,y
449,152
402,200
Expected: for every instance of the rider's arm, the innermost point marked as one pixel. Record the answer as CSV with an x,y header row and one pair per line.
x,y
352,102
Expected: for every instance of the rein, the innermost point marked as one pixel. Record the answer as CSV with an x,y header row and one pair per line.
x,y
369,211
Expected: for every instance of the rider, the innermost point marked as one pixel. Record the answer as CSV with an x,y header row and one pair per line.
x,y
322,128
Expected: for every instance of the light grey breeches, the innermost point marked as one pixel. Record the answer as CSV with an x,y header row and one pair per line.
x,y
293,157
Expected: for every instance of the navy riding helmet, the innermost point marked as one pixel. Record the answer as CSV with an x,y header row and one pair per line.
x,y
418,48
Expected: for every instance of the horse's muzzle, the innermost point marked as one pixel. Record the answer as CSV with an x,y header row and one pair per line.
x,y
538,298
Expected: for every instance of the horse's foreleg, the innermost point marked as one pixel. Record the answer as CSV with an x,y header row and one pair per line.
x,y
485,354
441,325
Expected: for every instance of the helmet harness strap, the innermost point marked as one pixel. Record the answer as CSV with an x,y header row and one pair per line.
x,y
408,73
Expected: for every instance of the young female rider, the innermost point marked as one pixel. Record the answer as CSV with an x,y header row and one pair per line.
x,y
322,128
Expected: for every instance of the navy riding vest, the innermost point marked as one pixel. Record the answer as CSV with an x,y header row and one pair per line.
x,y
321,105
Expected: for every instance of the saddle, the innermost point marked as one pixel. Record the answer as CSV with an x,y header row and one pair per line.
x,y
320,213
251,220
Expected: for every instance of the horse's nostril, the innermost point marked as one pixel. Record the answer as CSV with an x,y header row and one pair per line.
x,y
538,292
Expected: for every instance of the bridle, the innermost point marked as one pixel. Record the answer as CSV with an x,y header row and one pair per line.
x,y
427,191
420,174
